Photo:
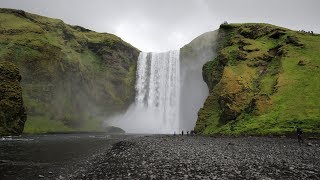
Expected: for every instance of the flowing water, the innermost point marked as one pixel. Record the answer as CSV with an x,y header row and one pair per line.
x,y
157,104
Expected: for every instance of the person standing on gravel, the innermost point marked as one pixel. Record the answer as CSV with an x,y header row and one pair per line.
x,y
299,134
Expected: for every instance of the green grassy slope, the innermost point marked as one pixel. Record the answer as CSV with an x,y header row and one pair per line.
x,y
265,80
71,77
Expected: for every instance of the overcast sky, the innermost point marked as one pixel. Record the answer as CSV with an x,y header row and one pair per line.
x,y
159,25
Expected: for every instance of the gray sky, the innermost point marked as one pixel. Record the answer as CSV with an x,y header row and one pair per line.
x,y
159,25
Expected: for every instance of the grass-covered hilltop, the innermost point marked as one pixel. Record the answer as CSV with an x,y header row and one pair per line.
x,y
71,77
264,80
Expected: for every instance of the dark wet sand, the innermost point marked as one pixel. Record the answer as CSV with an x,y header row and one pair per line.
x,y
159,157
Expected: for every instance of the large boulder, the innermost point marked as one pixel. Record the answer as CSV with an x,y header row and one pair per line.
x,y
12,111
114,130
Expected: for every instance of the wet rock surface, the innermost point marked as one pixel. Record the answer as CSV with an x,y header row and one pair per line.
x,y
52,156
196,157
12,111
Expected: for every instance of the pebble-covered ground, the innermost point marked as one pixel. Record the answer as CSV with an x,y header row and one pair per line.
x,y
197,157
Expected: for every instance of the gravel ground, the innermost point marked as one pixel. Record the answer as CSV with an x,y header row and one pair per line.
x,y
196,157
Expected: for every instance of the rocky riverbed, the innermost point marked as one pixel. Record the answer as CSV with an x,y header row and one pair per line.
x,y
196,157
102,156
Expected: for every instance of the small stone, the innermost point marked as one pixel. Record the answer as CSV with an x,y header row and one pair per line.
x,y
309,144
310,172
41,176
50,172
198,177
291,168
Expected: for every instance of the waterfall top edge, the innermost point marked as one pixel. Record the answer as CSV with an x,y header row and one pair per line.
x,y
161,52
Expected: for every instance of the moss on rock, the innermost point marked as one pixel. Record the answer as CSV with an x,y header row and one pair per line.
x,y
70,75
261,79
12,111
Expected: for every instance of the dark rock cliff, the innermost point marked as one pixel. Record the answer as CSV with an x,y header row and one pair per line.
x,y
12,111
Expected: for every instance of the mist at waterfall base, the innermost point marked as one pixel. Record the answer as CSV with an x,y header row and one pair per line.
x,y
169,93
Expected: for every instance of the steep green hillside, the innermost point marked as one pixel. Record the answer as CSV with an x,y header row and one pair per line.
x,y
71,77
264,80
12,111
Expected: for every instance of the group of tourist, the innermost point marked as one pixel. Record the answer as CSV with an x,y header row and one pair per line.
x,y
299,133
188,133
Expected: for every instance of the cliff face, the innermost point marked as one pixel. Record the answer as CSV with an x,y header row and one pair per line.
x,y
71,76
12,111
264,80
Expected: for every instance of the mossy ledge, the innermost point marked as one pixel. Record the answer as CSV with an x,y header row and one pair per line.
x,y
72,77
264,81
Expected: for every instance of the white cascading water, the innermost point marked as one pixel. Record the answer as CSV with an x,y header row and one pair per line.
x,y
157,103
158,87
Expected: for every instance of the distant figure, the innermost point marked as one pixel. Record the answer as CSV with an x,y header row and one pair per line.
x,y
232,127
174,133
182,132
299,134
192,132
187,133
312,32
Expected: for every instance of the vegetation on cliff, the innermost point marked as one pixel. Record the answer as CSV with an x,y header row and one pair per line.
x,y
12,111
72,77
264,80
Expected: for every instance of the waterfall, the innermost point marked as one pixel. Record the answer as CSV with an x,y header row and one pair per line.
x,y
157,104
158,86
